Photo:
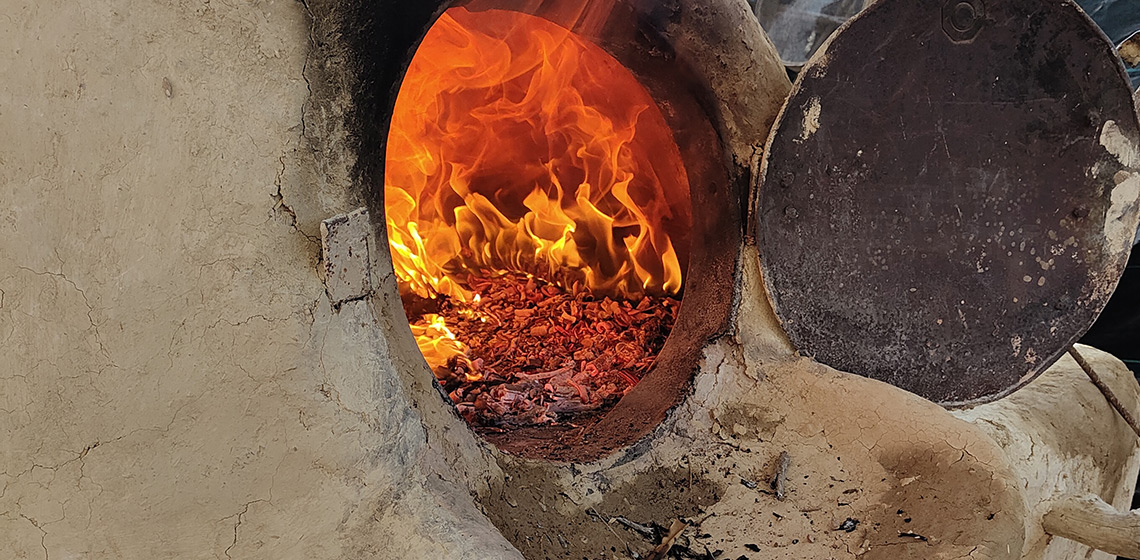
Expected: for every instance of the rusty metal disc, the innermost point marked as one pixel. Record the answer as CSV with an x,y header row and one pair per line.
x,y
950,194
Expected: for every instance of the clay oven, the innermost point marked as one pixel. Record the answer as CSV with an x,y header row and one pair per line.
x,y
554,170
626,121
546,205
210,330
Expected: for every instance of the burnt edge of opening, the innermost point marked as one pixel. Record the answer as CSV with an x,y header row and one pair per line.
x,y
377,39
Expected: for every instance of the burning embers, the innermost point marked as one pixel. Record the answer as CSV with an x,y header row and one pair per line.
x,y
536,353
537,211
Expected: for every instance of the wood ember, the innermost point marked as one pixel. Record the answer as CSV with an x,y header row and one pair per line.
x,y
542,353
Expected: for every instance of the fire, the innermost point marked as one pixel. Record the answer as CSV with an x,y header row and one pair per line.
x,y
516,145
438,343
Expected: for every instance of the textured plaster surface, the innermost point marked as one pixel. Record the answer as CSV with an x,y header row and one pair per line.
x,y
1065,438
860,449
176,383
345,255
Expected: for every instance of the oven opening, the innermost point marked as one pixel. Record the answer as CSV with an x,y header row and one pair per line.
x,y
540,220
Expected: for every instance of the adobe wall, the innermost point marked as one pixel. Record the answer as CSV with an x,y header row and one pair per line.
x,y
176,383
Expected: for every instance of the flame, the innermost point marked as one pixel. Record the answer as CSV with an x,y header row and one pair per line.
x,y
516,145
438,344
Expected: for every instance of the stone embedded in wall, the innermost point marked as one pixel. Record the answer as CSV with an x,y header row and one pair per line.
x,y
344,246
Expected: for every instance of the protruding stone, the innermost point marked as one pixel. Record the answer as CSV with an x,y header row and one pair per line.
x,y
344,245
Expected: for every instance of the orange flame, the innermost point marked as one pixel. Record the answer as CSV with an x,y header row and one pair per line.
x,y
516,145
438,344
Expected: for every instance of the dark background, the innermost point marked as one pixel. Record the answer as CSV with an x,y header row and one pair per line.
x,y
1118,328
1119,19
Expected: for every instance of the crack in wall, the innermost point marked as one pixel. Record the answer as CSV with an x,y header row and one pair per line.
x,y
43,533
83,294
248,320
305,66
281,208
237,524
79,456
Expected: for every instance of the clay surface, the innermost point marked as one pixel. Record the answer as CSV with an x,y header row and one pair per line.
x,y
894,464
175,381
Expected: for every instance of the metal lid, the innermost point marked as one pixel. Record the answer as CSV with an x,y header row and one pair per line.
x,y
950,194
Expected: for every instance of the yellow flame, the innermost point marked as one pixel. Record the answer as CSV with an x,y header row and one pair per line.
x,y
516,145
438,344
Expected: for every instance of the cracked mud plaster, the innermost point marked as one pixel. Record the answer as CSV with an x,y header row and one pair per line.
x,y
173,383
1055,457
859,449
346,256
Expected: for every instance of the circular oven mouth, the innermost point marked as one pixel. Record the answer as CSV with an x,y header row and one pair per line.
x,y
552,185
